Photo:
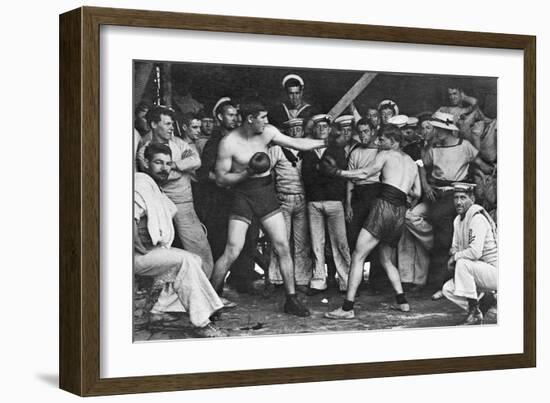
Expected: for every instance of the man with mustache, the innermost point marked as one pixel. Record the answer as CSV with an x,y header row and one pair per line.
x,y
154,255
473,256
185,161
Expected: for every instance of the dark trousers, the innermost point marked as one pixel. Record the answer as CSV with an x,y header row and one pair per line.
x,y
441,215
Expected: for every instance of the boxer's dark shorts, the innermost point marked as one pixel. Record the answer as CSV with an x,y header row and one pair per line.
x,y
386,219
254,197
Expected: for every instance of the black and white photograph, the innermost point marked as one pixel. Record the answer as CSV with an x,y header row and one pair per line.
x,y
276,200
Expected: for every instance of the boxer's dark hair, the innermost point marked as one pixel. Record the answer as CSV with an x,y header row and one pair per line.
x,y
392,132
251,107
156,148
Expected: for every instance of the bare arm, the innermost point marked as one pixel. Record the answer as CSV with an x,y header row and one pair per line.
x,y
469,100
301,144
224,164
370,170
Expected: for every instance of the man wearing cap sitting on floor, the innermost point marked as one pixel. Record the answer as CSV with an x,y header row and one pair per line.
x,y
294,106
473,256
324,194
243,164
286,164
154,255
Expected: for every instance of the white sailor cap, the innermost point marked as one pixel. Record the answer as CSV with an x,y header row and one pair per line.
x,y
463,187
344,120
293,123
292,77
443,120
221,101
322,117
389,103
412,121
398,120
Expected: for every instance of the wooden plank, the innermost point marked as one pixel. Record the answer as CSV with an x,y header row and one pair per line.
x,y
352,93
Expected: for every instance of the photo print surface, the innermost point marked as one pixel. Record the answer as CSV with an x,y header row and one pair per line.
x,y
275,200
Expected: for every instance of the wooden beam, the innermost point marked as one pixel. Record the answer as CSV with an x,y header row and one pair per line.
x,y
353,93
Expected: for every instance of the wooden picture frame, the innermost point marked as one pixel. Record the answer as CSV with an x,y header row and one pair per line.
x,y
80,199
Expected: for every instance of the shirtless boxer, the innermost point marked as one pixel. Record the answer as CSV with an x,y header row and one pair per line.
x,y
384,225
244,165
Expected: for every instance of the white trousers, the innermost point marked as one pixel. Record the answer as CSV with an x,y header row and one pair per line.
x,y
192,288
470,278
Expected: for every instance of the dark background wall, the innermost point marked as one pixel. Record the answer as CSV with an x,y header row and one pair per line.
x,y
414,93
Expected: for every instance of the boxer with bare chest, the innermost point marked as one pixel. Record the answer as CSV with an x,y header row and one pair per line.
x,y
384,225
243,165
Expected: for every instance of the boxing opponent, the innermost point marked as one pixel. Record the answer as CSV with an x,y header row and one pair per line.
x,y
243,164
384,225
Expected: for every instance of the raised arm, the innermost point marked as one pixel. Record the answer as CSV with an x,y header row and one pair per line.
x,y
472,101
301,144
370,170
224,163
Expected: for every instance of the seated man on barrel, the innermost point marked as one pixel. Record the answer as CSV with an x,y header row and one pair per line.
x,y
154,255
